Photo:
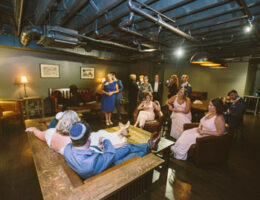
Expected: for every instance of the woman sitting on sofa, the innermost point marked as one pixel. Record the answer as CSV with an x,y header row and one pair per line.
x,y
57,138
147,110
212,123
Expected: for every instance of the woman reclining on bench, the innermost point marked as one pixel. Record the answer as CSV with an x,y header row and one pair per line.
x,y
87,162
57,138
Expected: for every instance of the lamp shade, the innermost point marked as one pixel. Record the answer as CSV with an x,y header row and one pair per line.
x,y
24,79
201,57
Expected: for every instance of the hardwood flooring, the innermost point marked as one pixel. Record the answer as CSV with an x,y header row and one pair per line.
x,y
239,179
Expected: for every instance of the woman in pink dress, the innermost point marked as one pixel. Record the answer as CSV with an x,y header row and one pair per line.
x,y
180,107
212,123
147,110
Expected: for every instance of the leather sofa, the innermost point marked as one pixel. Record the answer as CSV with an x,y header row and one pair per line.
x,y
10,109
209,150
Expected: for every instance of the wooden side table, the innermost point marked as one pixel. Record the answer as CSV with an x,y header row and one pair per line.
x,y
33,107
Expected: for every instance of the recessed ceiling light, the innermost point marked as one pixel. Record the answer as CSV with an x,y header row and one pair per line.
x,y
179,52
248,29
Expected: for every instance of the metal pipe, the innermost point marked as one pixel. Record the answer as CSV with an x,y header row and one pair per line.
x,y
20,16
176,5
104,41
155,11
161,23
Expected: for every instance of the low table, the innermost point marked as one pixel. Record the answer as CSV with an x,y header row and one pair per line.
x,y
137,136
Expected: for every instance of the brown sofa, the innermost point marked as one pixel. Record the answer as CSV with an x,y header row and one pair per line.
x,y
152,125
62,99
210,149
10,109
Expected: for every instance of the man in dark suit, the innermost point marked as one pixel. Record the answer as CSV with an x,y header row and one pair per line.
x,y
234,114
119,95
185,84
132,95
157,88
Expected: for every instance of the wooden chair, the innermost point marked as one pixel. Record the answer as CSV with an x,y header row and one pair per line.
x,y
10,109
152,125
209,149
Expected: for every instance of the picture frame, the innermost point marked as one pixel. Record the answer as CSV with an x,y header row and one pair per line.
x,y
49,71
87,72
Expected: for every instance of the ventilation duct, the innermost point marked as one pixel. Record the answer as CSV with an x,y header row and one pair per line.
x,y
30,33
49,36
54,36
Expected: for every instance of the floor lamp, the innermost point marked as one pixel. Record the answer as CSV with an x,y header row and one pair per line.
x,y
24,81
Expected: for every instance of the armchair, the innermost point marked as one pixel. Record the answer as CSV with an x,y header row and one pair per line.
x,y
209,149
10,109
152,125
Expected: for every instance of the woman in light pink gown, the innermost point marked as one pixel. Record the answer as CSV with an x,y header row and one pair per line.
x,y
146,110
180,107
211,124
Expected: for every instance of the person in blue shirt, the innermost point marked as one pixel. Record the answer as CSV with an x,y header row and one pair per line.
x,y
119,95
88,160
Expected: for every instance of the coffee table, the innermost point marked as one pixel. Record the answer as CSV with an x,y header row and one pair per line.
x,y
137,135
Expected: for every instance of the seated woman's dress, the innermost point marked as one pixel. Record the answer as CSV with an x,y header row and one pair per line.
x,y
189,136
108,102
179,119
145,115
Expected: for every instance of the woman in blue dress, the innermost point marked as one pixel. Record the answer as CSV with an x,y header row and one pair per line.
x,y
108,98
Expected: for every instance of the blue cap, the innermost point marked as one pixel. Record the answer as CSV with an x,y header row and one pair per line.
x,y
77,131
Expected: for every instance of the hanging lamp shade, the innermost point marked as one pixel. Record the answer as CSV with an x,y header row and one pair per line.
x,y
201,57
222,66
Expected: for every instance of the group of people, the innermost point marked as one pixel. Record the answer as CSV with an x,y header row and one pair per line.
x,y
89,153
213,123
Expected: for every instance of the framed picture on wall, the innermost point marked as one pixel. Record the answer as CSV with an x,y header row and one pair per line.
x,y
49,71
87,72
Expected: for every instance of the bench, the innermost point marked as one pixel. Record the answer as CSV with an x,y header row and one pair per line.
x,y
128,180
10,109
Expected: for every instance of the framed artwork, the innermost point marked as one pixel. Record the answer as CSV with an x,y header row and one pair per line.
x,y
49,71
87,72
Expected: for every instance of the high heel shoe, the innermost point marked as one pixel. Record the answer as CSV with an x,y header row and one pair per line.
x,y
111,123
107,123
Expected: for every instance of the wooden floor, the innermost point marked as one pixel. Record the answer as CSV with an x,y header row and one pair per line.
x,y
239,179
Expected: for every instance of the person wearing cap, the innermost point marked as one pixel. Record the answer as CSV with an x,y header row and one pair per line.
x,y
57,138
87,160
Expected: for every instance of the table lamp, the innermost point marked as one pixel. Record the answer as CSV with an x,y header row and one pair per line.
x,y
24,81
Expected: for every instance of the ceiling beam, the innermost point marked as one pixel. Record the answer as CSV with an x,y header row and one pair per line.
x,y
43,8
191,13
72,11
